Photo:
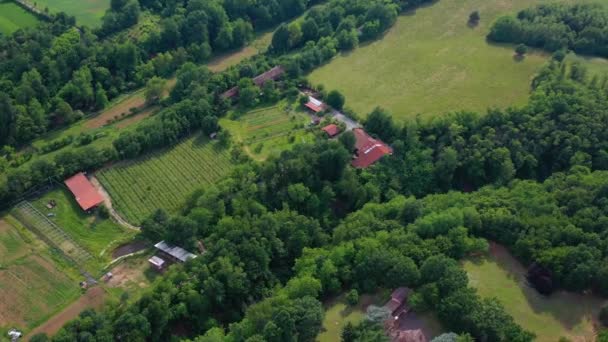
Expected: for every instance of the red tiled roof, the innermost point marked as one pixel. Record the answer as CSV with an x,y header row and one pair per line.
x,y
369,150
272,74
331,130
85,193
313,107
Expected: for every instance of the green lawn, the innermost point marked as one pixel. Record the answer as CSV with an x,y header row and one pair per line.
x,y
96,235
562,314
164,179
13,17
87,12
268,130
337,315
432,62
34,282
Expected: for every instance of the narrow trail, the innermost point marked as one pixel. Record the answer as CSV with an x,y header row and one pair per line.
x,y
107,200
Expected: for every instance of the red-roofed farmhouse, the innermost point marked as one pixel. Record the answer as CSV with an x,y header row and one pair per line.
x,y
315,105
332,130
85,193
368,150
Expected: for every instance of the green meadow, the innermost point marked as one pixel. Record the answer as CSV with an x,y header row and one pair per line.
x,y
563,314
432,61
13,17
87,12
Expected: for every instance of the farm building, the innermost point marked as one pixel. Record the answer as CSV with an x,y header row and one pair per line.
x,y
397,304
315,105
368,150
157,262
175,253
398,328
331,130
270,75
85,193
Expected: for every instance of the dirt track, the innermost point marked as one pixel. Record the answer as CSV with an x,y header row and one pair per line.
x,y
107,200
94,298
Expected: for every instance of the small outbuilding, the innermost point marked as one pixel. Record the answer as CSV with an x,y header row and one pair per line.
x,y
157,263
316,106
84,192
175,253
331,130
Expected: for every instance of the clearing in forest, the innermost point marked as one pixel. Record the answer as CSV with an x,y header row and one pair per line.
x,y
268,130
36,283
563,314
164,179
13,17
432,62
87,12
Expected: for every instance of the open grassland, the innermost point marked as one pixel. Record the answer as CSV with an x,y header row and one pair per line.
x,y
268,130
432,62
224,61
95,234
164,179
34,283
562,314
87,12
13,17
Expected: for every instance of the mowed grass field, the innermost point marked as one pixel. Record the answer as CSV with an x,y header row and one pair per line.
x,y
87,12
268,130
94,234
34,283
563,314
432,62
164,179
13,17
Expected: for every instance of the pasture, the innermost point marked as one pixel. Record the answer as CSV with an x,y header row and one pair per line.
x,y
13,17
97,235
34,282
87,12
432,62
563,314
268,130
164,179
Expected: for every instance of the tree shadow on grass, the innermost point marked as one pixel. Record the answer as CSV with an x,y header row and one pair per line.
x,y
570,309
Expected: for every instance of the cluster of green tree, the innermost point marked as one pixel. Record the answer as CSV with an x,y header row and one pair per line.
x,y
52,72
579,27
564,124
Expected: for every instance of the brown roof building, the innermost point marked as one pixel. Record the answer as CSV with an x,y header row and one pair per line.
x,y
332,130
368,150
270,75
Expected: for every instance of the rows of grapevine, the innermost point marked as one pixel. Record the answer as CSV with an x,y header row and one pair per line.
x,y
165,179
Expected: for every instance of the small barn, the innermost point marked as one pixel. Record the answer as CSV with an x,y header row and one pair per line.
x,y
84,192
368,150
331,130
174,253
314,105
157,263
270,75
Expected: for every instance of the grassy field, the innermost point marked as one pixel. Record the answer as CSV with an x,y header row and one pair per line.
x,y
34,282
87,12
338,314
13,17
164,179
432,62
96,235
562,314
268,130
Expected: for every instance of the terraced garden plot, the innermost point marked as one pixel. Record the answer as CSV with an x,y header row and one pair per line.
x,y
164,179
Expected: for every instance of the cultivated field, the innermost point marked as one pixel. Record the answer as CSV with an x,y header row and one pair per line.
x,y
562,314
164,179
432,62
13,17
87,12
268,130
34,283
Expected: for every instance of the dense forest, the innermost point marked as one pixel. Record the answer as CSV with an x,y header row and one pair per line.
x,y
578,27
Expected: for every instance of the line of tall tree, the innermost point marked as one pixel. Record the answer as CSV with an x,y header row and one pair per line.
x,y
578,27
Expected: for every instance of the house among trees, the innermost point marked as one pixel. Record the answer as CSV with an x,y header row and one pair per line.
x,y
397,304
316,106
84,192
174,253
270,75
397,328
368,150
331,130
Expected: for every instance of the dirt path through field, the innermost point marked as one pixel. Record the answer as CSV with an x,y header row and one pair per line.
x,y
94,298
107,200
